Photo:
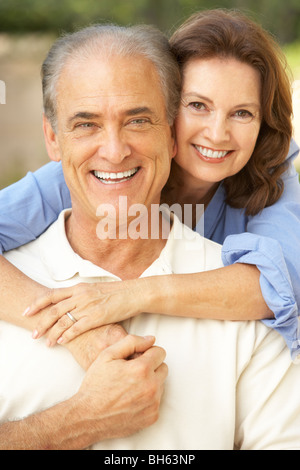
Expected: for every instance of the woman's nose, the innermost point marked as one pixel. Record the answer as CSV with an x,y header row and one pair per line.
x,y
217,129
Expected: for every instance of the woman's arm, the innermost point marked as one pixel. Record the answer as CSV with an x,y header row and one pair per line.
x,y
281,222
229,293
233,293
261,280
29,206
211,294
17,291
272,243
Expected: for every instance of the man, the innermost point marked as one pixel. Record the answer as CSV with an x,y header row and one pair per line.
x,y
107,122
119,396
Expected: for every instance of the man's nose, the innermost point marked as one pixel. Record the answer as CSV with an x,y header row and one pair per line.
x,y
113,146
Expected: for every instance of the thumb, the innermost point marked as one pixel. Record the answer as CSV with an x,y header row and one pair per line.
x,y
129,346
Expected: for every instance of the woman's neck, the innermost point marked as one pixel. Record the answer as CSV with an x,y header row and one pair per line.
x,y
182,188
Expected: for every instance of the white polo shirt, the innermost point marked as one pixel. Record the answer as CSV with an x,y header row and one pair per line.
x,y
230,384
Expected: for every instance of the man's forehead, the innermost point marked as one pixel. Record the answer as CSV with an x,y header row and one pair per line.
x,y
97,105
117,74
125,83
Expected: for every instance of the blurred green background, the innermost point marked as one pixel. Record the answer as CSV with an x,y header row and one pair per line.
x,y
28,27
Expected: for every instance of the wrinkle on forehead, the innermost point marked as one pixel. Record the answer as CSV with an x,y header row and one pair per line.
x,y
94,87
122,72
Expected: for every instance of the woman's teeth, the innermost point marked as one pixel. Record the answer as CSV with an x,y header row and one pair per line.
x,y
212,153
113,178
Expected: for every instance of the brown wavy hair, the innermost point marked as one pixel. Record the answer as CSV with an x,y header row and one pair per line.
x,y
228,33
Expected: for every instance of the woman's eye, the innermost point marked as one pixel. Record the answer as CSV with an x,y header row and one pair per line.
x,y
197,105
244,115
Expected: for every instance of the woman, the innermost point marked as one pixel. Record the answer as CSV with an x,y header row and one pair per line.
x,y
233,133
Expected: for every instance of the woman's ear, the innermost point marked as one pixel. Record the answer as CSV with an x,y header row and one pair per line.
x,y
51,140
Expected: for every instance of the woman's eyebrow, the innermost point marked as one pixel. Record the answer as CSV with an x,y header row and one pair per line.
x,y
194,95
247,105
205,98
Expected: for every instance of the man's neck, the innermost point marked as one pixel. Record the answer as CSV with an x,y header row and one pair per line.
x,y
127,257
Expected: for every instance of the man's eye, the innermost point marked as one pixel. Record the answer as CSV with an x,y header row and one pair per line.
x,y
139,121
85,125
138,124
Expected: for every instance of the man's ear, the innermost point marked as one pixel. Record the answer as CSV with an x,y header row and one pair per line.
x,y
51,141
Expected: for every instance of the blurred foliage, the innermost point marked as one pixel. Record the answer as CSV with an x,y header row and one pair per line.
x,y
19,16
292,52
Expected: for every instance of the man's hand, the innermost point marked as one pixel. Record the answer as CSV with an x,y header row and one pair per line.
x,y
87,347
118,397
122,395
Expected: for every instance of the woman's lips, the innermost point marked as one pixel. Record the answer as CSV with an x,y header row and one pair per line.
x,y
215,156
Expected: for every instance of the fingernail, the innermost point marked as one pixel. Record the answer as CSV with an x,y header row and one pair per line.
x,y
149,338
60,340
35,334
25,312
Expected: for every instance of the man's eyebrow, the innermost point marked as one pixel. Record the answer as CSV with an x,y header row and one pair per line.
x,y
139,110
83,115
129,112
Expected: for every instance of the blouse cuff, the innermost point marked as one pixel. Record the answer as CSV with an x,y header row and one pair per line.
x,y
275,282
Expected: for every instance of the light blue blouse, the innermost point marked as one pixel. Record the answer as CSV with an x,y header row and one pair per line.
x,y
269,240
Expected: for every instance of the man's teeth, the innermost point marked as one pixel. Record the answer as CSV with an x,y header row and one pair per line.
x,y
211,153
109,178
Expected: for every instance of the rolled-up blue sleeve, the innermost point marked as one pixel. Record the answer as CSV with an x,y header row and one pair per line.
x,y
28,207
272,243
275,282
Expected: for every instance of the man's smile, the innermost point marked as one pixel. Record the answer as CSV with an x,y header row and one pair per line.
x,y
114,178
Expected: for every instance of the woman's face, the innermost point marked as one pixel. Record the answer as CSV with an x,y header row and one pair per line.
x,y
219,118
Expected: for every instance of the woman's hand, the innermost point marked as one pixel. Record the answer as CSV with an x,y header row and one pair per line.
x,y
92,305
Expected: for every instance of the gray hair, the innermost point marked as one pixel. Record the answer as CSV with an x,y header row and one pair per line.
x,y
142,40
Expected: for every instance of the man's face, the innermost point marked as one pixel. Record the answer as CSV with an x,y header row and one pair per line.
x,y
113,137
